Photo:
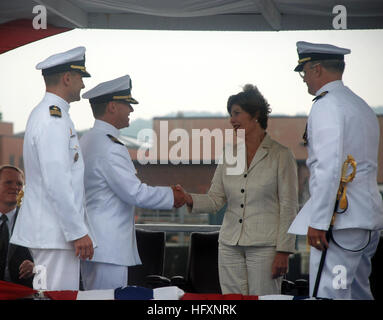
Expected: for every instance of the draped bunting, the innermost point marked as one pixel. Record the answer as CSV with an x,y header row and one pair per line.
x,y
11,291
14,34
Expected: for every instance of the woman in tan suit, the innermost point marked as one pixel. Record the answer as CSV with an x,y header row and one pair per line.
x,y
262,202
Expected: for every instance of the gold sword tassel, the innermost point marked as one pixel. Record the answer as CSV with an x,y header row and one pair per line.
x,y
344,180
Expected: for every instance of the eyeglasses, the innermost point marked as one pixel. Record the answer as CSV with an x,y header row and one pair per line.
x,y
303,72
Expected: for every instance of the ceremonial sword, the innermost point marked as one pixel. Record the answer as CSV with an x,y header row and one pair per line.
x,y
341,205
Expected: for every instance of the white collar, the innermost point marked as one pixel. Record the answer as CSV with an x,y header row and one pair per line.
x,y
106,127
330,86
57,101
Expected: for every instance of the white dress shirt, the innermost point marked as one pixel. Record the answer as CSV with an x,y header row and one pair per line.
x,y
52,214
112,190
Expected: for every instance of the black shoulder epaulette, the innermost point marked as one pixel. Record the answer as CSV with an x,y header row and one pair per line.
x,y
320,96
114,139
55,111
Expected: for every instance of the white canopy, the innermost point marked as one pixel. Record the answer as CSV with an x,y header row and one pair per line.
x,y
260,15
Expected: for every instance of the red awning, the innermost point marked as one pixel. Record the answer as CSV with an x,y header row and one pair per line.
x,y
16,33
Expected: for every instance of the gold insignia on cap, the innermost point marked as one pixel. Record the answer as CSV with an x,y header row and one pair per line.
x,y
55,111
82,68
127,98
122,97
304,59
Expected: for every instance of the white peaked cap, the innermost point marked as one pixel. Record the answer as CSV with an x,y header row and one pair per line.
x,y
318,51
116,89
71,60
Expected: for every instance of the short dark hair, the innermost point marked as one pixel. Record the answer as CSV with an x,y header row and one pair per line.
x,y
52,79
332,65
99,109
8,166
253,102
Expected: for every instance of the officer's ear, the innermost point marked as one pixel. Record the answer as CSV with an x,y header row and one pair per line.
x,y
111,107
66,78
318,69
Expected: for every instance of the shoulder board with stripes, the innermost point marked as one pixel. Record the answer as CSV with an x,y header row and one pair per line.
x,y
55,111
114,139
320,96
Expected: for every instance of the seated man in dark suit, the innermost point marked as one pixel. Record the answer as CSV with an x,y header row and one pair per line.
x,y
16,264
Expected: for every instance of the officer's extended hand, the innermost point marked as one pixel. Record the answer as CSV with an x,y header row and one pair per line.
x,y
187,197
84,248
179,197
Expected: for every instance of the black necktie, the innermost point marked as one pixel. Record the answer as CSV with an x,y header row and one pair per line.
x,y
4,242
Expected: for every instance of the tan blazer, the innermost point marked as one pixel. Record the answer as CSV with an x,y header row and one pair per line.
x,y
262,201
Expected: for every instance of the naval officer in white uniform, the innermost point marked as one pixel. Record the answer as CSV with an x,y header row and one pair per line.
x,y
113,189
340,123
52,218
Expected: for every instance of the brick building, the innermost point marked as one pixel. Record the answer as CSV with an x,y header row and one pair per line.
x,y
11,146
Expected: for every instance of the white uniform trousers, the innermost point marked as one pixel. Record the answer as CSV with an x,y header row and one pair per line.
x,y
98,275
247,270
345,274
61,268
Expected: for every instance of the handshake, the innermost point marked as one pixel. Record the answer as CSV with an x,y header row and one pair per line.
x,y
181,197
